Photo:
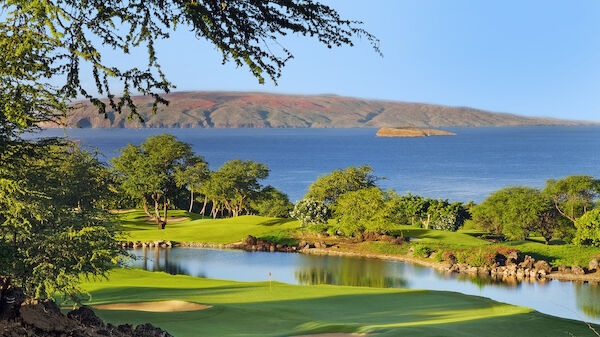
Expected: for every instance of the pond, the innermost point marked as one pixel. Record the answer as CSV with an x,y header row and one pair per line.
x,y
579,301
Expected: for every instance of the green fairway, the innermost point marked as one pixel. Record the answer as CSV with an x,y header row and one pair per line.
x,y
258,309
196,228
199,229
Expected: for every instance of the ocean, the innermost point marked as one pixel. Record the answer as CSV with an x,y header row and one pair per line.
x,y
460,168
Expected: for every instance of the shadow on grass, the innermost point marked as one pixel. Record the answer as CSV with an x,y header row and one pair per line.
x,y
411,313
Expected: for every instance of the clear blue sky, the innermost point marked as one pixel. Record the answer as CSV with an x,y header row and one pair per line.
x,y
536,58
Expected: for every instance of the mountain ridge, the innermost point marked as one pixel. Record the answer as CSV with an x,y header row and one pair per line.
x,y
223,109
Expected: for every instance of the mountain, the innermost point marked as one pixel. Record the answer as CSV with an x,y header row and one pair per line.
x,y
263,110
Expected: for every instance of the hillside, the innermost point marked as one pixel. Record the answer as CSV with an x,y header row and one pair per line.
x,y
262,110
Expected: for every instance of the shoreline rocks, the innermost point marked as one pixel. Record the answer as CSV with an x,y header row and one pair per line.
x,y
42,318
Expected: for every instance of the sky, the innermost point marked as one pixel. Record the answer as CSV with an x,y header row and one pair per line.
x,y
533,58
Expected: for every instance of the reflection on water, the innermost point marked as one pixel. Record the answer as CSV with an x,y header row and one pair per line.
x,y
348,272
564,299
588,299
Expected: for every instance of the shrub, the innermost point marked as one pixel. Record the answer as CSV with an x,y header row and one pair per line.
x,y
588,229
479,257
421,251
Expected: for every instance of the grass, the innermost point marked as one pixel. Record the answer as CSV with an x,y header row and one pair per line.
x,y
221,231
258,309
202,229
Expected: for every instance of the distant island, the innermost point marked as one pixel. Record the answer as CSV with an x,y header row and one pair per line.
x,y
198,109
409,131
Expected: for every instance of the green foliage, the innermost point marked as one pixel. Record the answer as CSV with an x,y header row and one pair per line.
x,y
515,211
430,213
573,195
191,175
235,184
273,203
311,212
52,231
361,211
588,229
152,170
329,187
478,257
421,250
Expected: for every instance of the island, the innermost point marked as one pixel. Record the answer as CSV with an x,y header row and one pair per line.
x,y
409,131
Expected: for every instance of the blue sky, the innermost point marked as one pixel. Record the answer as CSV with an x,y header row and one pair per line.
x,y
536,58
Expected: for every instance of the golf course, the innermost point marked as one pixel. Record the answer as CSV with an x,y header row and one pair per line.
x,y
192,306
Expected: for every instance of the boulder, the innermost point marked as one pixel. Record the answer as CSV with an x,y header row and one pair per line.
x,y
512,258
86,316
542,265
577,270
563,269
45,316
250,241
527,263
594,265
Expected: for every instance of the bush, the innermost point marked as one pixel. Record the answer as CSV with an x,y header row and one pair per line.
x,y
310,212
478,257
588,229
421,251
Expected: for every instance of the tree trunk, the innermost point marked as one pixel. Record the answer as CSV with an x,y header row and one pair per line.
x,y
165,211
146,207
204,205
191,199
159,224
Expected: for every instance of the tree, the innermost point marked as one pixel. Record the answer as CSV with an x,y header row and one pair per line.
x,y
192,175
588,229
46,41
311,212
272,203
329,187
46,47
573,195
513,211
361,211
236,182
148,170
407,209
52,230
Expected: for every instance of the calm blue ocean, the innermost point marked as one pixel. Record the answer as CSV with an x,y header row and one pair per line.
x,y
461,168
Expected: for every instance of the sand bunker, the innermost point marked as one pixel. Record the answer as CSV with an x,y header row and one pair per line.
x,y
169,218
160,306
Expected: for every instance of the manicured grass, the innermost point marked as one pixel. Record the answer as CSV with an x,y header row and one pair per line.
x,y
199,229
258,309
207,230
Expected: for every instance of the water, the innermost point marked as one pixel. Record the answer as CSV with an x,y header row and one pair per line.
x,y
563,299
461,168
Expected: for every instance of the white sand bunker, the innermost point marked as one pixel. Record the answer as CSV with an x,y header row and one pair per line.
x,y
159,306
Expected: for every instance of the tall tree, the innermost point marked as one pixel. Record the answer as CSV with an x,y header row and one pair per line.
x,y
329,187
573,195
237,181
148,170
52,231
192,175
513,211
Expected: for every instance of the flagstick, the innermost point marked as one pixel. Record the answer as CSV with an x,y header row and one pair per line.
x,y
270,288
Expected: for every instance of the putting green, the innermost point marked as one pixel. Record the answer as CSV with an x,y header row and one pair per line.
x,y
263,309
